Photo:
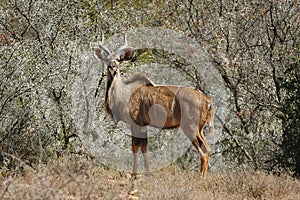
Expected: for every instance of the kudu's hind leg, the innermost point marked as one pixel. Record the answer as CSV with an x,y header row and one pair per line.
x,y
204,147
139,139
203,157
198,142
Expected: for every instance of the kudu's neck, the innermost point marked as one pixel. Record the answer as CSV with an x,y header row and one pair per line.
x,y
110,79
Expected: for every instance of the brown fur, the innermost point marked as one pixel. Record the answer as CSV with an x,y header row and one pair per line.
x,y
164,103
137,102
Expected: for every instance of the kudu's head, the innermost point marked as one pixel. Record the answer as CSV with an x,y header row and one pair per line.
x,y
113,59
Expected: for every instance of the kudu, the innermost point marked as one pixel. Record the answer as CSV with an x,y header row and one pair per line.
x,y
139,103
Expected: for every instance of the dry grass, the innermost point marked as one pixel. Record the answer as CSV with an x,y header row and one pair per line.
x,y
78,178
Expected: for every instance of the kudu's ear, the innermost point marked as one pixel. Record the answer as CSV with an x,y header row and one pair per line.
x,y
101,53
125,53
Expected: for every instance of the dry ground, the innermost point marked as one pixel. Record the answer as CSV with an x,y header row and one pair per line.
x,y
75,177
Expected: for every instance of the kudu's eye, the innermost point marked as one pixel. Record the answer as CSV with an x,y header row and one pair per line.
x,y
112,68
113,64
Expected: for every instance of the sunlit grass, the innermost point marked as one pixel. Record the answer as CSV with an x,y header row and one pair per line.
x,y
75,177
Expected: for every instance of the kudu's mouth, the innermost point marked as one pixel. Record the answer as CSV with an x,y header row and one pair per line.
x,y
112,70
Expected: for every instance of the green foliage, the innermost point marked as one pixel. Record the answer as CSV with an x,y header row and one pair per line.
x,y
42,45
290,116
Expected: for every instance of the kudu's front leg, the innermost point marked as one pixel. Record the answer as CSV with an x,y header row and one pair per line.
x,y
139,139
144,143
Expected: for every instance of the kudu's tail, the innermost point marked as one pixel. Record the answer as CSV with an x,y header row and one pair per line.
x,y
211,119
